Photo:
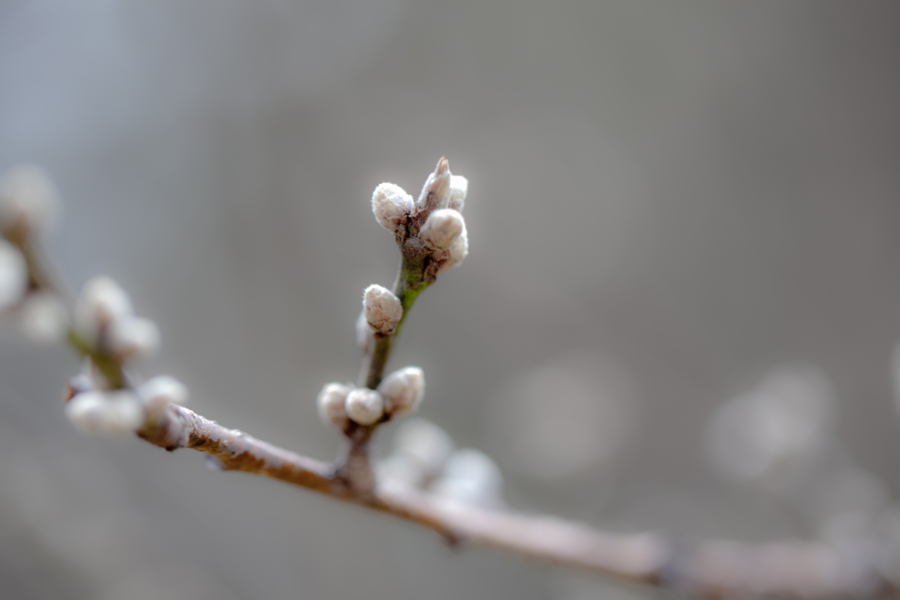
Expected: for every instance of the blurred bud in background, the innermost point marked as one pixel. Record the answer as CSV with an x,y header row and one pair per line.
x,y
768,435
564,419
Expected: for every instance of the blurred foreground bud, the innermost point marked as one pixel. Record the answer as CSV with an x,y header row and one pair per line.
x,y
363,331
331,404
159,392
392,205
13,275
383,309
470,477
115,412
44,318
364,406
769,432
28,202
459,186
424,442
101,302
436,191
403,391
442,228
132,338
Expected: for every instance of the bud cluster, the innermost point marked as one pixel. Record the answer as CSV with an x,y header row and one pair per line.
x,y
28,205
434,220
125,411
104,317
399,394
424,457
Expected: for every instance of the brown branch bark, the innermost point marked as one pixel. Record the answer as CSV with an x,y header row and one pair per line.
x,y
705,569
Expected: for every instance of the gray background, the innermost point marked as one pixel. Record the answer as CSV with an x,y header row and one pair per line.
x,y
687,194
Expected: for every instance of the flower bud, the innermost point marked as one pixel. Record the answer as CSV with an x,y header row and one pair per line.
x,y
383,309
459,185
101,302
424,442
458,251
436,191
159,392
392,205
442,228
28,202
403,391
114,412
470,477
364,406
131,338
331,404
13,275
43,317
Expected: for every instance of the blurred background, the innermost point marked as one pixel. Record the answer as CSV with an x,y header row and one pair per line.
x,y
678,312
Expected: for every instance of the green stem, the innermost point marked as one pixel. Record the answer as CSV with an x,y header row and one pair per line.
x,y
409,284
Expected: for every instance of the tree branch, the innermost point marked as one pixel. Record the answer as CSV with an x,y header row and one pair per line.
x,y
706,569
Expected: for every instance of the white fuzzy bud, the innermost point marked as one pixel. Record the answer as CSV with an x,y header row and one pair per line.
x,y
157,393
114,412
28,201
132,338
331,404
101,302
391,205
442,228
383,309
364,406
424,442
470,477
457,252
13,275
44,318
459,185
436,191
403,391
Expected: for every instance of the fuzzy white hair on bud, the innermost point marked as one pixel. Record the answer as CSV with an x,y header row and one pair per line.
x,y
383,309
115,412
442,228
364,406
403,391
101,302
424,442
436,191
459,186
44,318
159,392
13,275
331,404
470,477
29,202
133,338
457,252
392,205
